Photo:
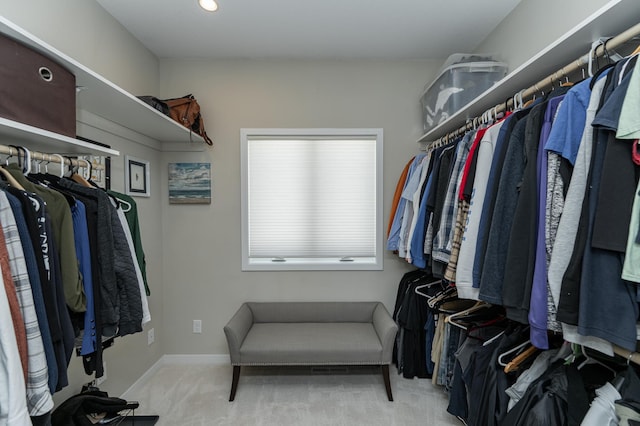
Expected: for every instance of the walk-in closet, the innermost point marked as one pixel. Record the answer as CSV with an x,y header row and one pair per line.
x,y
193,189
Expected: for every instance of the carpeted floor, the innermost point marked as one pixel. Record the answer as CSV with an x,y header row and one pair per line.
x,y
195,395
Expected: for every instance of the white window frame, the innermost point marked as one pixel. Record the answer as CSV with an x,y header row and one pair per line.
x,y
311,264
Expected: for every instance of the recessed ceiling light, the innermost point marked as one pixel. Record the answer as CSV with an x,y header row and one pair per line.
x,y
208,5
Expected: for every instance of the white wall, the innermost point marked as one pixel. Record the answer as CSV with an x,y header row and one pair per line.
x,y
83,30
533,25
202,260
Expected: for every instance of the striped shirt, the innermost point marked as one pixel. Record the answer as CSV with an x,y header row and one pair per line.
x,y
39,401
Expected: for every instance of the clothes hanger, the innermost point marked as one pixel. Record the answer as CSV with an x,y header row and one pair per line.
x,y
563,352
78,178
517,348
71,168
61,158
515,363
127,207
520,99
530,101
566,82
440,297
591,361
451,319
592,57
26,165
8,176
89,173
494,338
416,290
454,305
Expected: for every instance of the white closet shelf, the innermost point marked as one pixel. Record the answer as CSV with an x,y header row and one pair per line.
x,y
102,98
15,133
615,16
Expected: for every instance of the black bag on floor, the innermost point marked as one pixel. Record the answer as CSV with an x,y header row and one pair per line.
x,y
81,409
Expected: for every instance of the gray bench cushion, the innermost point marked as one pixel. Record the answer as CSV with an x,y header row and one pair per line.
x,y
311,344
312,311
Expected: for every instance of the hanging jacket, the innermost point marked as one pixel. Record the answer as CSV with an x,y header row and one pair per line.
x,y
121,305
557,398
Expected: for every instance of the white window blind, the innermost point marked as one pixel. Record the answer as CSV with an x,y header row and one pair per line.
x,y
311,200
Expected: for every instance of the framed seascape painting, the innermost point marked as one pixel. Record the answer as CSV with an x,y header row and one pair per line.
x,y
189,183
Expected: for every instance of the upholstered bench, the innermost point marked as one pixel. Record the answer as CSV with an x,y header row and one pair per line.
x,y
311,334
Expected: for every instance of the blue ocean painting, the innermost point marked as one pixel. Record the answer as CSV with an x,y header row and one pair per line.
x,y
190,183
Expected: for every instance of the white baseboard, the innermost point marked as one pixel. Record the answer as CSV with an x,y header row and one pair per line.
x,y
142,379
196,359
175,359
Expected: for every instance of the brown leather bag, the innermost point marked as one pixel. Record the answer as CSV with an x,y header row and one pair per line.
x,y
186,111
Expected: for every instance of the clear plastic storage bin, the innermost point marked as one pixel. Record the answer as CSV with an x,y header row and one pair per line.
x,y
457,85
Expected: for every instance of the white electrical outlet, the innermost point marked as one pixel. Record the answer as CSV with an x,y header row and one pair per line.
x,y
197,326
101,380
151,337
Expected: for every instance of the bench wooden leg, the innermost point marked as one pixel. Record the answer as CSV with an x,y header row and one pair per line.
x,y
234,383
387,382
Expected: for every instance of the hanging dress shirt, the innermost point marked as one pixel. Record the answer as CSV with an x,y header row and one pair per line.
x,y
13,404
39,401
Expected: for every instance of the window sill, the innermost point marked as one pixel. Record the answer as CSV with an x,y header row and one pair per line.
x,y
312,264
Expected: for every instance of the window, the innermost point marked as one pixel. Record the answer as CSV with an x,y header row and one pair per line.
x,y
311,199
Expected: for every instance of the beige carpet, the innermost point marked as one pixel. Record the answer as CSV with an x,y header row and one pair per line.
x,y
190,395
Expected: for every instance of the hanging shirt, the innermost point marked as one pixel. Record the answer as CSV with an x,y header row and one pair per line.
x,y
39,401
443,237
619,176
569,221
497,165
13,404
569,125
412,186
415,252
62,228
602,411
608,311
397,194
629,121
130,209
631,267
417,198
563,145
21,205
435,203
492,276
464,270
519,266
538,306
394,234
146,313
14,307
83,251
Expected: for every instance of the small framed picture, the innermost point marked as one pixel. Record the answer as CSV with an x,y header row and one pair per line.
x,y
136,177
189,183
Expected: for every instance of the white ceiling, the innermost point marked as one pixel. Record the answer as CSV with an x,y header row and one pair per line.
x,y
371,29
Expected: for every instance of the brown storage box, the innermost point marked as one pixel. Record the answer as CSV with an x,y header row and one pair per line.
x,y
36,90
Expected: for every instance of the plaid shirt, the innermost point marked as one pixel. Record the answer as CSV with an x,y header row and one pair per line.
x,y
442,241
461,219
39,401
